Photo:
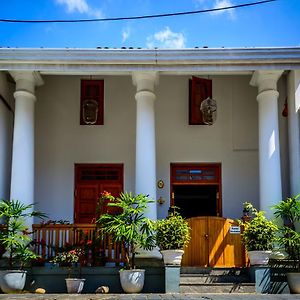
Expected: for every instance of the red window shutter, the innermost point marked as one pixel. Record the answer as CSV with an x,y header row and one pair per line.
x,y
93,90
199,90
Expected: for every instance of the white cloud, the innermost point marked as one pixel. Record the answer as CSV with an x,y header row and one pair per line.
x,y
80,6
209,4
166,39
125,34
221,4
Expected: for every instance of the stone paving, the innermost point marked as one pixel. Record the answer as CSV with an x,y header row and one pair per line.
x,y
151,297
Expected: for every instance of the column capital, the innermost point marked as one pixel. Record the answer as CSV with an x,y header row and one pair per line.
x,y
267,95
265,80
27,80
145,95
145,81
24,94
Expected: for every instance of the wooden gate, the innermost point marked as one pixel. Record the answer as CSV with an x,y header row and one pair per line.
x,y
215,242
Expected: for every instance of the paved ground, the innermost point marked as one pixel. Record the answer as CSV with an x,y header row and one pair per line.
x,y
152,297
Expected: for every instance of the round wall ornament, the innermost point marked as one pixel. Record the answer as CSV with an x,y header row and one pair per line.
x,y
160,184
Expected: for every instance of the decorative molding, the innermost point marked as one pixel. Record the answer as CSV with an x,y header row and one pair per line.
x,y
265,80
84,61
145,81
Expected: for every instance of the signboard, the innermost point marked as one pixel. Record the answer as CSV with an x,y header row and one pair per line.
x,y
235,229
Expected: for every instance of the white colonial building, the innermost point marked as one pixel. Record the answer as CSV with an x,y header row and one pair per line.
x,y
76,122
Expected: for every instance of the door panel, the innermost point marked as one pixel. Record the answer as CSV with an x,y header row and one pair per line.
x,y
90,181
196,254
86,202
213,245
216,241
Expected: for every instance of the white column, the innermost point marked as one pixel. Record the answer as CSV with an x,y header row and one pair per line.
x,y
22,178
145,168
269,150
293,130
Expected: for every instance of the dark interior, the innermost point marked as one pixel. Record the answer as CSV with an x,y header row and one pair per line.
x,y
196,200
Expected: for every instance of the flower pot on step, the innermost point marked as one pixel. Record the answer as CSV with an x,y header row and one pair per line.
x,y
12,281
74,285
293,280
259,257
172,257
132,281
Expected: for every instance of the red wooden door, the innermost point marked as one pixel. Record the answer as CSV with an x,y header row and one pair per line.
x,y
85,202
90,181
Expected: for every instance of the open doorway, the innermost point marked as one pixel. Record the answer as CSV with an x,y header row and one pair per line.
x,y
196,200
196,189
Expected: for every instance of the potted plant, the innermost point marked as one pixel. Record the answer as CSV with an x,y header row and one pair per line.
x,y
258,236
172,235
130,227
289,211
16,240
68,259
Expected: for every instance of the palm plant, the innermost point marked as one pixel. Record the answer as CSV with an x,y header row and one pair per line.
x,y
289,211
130,227
15,236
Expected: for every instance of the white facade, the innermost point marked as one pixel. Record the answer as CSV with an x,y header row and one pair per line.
x,y
146,122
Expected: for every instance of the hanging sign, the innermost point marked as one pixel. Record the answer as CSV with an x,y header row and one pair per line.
x,y
235,229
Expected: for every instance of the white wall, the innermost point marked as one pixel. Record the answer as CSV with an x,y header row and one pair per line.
x,y
61,141
179,142
6,125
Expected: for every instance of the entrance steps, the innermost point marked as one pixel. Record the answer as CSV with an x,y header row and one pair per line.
x,y
215,280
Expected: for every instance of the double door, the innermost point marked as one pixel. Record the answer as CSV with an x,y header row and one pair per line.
x,y
215,242
90,181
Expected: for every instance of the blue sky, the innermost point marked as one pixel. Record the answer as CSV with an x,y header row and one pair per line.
x,y
272,24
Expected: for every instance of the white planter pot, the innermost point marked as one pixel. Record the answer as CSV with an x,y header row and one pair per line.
x,y
172,257
259,257
12,281
74,285
132,281
293,280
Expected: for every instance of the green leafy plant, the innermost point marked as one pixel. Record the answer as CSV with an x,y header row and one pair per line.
x,y
259,233
130,226
173,232
289,211
15,236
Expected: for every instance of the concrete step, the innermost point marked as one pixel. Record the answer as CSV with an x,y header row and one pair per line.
x,y
196,278
215,280
214,271
218,288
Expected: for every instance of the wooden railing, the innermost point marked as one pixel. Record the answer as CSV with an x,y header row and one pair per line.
x,y
51,238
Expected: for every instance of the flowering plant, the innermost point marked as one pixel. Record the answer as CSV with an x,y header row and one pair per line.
x,y
104,204
68,258
107,196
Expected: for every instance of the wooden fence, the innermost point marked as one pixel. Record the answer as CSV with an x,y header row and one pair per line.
x,y
51,238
